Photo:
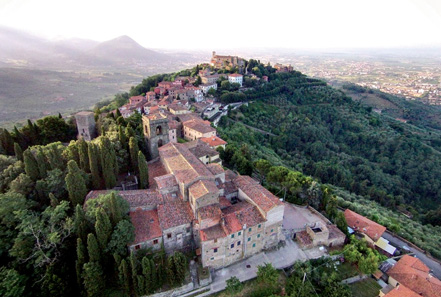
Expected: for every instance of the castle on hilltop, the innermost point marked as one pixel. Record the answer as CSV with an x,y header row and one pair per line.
x,y
227,62
192,205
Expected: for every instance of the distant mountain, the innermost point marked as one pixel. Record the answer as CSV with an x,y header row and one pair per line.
x,y
125,49
19,48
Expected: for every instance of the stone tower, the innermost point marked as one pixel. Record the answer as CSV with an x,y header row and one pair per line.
x,y
155,132
86,125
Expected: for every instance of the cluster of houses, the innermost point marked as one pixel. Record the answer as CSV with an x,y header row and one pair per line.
x,y
404,276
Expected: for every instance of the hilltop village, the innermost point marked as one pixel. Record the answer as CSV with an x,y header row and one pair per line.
x,y
194,204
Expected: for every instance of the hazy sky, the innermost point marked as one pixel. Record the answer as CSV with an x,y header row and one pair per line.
x,y
208,24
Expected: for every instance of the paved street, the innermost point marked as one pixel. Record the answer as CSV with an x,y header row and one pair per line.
x,y
434,265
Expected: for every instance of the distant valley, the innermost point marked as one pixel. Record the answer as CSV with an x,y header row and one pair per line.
x,y
40,77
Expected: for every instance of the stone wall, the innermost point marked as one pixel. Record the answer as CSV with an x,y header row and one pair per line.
x,y
175,292
177,238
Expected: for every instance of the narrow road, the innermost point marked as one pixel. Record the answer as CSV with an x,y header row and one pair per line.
x,y
432,264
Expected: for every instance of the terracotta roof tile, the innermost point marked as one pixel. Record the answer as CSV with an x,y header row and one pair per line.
x,y
213,141
182,163
155,169
166,181
202,188
209,211
199,126
212,233
256,192
412,273
240,215
215,168
201,149
146,225
362,224
224,202
174,214
401,291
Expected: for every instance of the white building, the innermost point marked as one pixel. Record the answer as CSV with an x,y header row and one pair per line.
x,y
235,78
206,87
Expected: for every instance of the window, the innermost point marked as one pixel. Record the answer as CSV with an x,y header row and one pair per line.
x,y
137,247
238,243
240,233
155,241
254,245
249,238
258,235
272,230
249,229
259,226
232,245
212,258
232,235
188,230
215,250
169,235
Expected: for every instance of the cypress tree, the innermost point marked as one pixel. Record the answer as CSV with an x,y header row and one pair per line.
x,y
140,285
154,275
103,228
75,184
108,162
20,138
18,151
147,273
81,259
122,137
143,171
92,248
80,222
43,166
93,165
129,132
83,155
118,113
93,279
31,166
133,148
7,142
134,267
54,156
72,152
115,211
124,275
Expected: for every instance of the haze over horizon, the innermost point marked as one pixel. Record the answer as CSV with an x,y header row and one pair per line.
x,y
205,25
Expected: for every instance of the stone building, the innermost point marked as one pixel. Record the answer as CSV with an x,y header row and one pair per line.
x,y
192,205
155,132
227,62
86,125
194,129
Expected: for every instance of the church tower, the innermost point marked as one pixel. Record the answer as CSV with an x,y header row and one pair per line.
x,y
155,128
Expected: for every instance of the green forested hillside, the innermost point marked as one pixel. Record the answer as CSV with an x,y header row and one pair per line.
x,y
324,133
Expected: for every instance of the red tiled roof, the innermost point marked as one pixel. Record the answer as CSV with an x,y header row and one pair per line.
x,y
155,116
182,163
213,141
235,75
199,126
215,168
146,225
364,225
209,211
230,175
240,215
202,188
412,273
402,291
212,233
166,181
155,169
172,124
261,196
174,214
224,202
201,149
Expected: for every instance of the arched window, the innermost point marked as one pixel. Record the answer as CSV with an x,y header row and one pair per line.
x,y
159,130
160,143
